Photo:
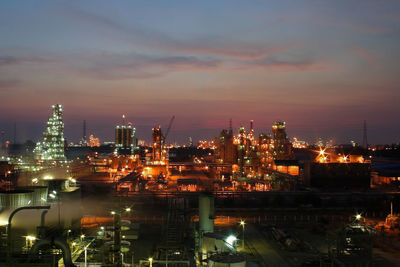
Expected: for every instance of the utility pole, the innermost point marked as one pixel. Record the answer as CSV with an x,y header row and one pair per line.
x,y
365,139
84,132
15,133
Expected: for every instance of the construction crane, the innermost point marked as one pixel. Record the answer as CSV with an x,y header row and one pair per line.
x,y
169,128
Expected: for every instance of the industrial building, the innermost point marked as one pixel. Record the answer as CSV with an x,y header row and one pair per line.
x,y
125,139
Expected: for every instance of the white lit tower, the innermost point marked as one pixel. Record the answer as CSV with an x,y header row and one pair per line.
x,y
125,139
52,146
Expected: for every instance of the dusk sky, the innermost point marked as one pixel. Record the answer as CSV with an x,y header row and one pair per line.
x,y
322,66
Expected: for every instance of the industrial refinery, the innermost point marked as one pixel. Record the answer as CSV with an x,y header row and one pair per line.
x,y
241,199
199,133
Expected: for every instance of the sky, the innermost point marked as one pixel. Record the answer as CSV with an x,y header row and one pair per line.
x,y
323,67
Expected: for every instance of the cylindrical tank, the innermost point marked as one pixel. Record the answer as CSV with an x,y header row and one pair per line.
x,y
15,198
206,213
226,259
39,193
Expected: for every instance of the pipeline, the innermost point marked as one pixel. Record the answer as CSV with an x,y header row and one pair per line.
x,y
57,242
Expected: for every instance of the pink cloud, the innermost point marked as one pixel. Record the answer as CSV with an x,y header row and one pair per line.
x,y
369,56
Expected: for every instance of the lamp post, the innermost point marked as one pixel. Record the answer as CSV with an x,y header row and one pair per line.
x,y
151,262
85,256
242,223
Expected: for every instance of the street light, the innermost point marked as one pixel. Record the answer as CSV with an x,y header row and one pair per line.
x,y
242,223
230,240
29,240
358,217
85,256
151,262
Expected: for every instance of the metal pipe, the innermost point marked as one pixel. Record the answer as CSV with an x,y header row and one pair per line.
x,y
42,218
9,234
57,242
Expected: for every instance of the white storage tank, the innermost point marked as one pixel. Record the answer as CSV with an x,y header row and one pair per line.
x,y
206,213
39,193
226,259
15,198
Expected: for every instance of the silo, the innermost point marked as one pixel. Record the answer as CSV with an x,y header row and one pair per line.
x,y
226,259
206,213
39,193
15,198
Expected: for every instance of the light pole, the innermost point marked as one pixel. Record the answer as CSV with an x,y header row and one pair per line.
x,y
151,262
242,223
85,256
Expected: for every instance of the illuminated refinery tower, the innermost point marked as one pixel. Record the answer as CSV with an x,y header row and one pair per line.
x,y
226,151
125,140
159,152
265,144
241,142
247,152
52,146
282,148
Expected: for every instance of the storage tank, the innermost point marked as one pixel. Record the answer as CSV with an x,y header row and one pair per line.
x,y
206,213
39,193
15,198
226,259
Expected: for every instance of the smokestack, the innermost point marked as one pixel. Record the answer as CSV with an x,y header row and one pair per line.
x,y
2,142
84,131
15,132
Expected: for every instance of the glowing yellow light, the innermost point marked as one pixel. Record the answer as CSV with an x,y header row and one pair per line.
x,y
30,238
